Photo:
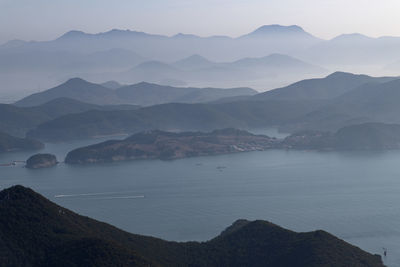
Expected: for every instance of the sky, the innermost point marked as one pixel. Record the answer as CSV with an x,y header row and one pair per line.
x,y
48,19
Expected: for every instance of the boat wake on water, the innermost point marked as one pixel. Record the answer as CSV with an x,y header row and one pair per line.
x,y
105,195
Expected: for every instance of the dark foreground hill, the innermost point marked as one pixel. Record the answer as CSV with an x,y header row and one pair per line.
x,y
37,232
11,143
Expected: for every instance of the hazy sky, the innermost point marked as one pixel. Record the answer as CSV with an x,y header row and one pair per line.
x,y
47,19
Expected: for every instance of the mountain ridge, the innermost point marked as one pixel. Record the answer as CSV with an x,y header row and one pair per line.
x,y
142,93
36,231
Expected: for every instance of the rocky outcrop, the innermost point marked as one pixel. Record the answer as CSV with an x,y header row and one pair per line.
x,y
39,161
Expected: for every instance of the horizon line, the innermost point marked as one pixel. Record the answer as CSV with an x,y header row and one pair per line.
x,y
198,36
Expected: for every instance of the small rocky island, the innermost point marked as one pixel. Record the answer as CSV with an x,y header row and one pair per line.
x,y
167,145
39,161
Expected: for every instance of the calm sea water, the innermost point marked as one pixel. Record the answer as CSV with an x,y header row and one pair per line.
x,y
355,196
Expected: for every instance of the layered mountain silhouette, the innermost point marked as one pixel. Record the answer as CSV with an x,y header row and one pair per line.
x,y
328,103
175,117
37,232
354,49
275,31
143,94
325,104
93,56
196,69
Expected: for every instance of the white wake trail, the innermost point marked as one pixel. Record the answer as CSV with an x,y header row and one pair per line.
x,y
94,194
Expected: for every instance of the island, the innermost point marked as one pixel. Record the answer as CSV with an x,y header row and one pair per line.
x,y
37,232
169,145
10,143
39,161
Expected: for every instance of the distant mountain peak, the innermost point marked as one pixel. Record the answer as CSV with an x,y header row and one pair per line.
x,y
194,61
73,34
122,33
153,64
277,55
118,31
195,58
352,37
342,74
144,84
184,35
276,30
76,80
114,33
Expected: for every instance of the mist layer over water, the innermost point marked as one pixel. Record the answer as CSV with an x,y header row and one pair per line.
x,y
355,196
